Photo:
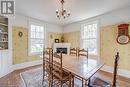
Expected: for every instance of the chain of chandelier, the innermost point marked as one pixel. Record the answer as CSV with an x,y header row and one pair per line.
x,y
62,13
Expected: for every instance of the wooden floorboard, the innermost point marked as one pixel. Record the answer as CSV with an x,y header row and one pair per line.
x,y
13,79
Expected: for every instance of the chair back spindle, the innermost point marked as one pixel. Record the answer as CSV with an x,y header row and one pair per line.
x,y
47,65
59,74
115,69
73,51
83,52
57,66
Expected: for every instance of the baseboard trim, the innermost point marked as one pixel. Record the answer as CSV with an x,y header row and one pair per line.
x,y
26,64
5,73
121,72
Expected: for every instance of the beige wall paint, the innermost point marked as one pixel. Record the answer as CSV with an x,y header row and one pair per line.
x,y
20,46
73,38
51,38
109,47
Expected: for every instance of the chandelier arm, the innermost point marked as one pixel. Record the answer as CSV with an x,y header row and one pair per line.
x,y
62,7
63,12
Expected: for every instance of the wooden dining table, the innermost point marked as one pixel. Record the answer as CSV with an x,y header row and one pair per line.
x,y
81,67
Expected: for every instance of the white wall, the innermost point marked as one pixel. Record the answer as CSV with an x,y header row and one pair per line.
x,y
114,17
23,21
54,28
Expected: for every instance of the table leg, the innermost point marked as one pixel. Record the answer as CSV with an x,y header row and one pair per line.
x,y
86,82
73,82
69,80
89,82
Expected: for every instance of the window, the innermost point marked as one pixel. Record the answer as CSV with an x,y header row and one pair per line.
x,y
37,38
89,37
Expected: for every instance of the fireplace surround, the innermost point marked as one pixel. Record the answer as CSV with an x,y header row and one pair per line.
x,y
65,47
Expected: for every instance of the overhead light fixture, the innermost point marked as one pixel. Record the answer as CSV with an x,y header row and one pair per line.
x,y
62,13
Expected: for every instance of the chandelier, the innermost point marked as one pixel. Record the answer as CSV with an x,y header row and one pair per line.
x,y
62,13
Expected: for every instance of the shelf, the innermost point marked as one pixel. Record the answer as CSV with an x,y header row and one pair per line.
x,y
3,24
3,33
3,49
3,41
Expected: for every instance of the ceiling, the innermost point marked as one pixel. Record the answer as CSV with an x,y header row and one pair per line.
x,y
80,9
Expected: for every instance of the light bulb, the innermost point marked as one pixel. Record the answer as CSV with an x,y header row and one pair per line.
x,y
64,10
56,11
68,13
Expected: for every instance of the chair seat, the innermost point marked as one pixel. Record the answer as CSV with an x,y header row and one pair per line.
x,y
65,75
97,82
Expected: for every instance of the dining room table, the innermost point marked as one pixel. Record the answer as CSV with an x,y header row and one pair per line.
x,y
80,67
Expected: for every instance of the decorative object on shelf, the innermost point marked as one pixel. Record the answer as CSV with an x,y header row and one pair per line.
x,y
62,13
3,33
62,39
20,34
123,34
56,40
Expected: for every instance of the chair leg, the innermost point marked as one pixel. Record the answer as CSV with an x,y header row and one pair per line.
x,y
50,80
73,82
43,72
69,81
89,83
43,79
82,83
86,83
61,83
49,83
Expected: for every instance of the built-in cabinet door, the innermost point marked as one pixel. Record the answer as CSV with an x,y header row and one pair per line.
x,y
4,62
6,55
1,64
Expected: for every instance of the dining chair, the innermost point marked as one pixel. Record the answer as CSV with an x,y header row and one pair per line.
x,y
98,82
73,51
61,76
83,52
47,51
47,66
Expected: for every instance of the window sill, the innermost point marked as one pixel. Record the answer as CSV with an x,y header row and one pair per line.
x,y
90,54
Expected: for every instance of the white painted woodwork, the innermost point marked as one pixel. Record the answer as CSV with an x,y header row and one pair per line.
x,y
62,45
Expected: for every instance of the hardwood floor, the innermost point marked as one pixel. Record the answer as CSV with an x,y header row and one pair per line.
x,y
121,81
13,79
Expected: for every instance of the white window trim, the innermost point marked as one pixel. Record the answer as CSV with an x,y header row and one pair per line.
x,y
98,36
29,36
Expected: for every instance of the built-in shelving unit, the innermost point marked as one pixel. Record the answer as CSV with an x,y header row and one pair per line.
x,y
3,33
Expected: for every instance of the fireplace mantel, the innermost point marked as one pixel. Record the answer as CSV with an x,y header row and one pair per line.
x,y
62,45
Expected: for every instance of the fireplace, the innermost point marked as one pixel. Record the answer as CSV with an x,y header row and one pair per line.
x,y
65,47
64,50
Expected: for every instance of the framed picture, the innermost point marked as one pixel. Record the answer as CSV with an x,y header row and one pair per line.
x,y
56,40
